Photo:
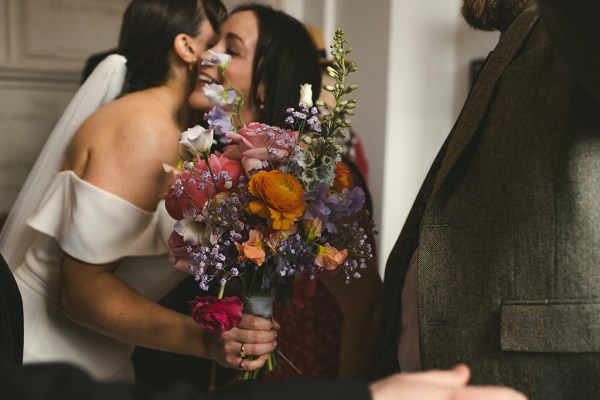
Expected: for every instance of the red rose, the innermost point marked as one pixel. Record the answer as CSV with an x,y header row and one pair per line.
x,y
217,315
186,195
190,190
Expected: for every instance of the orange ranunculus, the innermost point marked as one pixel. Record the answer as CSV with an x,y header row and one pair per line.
x,y
329,257
342,179
281,198
252,249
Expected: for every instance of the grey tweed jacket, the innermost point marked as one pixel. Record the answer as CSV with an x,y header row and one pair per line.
x,y
507,223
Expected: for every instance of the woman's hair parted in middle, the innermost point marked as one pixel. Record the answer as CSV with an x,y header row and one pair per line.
x,y
285,57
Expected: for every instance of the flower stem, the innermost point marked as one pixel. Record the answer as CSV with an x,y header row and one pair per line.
x,y
238,104
222,288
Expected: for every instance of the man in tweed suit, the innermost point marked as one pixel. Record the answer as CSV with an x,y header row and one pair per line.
x,y
498,264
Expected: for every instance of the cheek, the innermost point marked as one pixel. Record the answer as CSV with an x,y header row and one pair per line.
x,y
240,75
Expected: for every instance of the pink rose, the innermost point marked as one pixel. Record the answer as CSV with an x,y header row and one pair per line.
x,y
217,315
192,188
251,142
221,163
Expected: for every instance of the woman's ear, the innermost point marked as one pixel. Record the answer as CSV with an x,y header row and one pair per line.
x,y
185,48
261,93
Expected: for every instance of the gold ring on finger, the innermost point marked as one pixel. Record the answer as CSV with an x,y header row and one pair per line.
x,y
242,365
243,352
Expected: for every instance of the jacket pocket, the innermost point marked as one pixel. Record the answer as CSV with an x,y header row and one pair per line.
x,y
550,326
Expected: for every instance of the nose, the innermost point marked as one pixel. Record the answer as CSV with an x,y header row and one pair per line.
x,y
205,55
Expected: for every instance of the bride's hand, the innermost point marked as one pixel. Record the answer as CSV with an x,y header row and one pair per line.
x,y
256,334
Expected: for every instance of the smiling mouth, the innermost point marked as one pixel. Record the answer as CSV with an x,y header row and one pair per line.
x,y
203,78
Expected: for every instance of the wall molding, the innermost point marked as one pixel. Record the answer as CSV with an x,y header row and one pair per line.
x,y
4,31
55,34
20,74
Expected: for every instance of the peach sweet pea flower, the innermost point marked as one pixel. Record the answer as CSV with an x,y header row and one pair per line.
x,y
313,228
329,257
252,249
281,198
250,145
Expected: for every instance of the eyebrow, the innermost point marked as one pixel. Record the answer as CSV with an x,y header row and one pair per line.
x,y
233,36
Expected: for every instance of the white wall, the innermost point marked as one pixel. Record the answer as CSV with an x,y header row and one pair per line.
x,y
430,49
367,27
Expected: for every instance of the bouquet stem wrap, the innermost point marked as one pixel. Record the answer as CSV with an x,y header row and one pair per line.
x,y
260,306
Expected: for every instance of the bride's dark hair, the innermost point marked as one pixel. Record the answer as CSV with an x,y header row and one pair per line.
x,y
149,29
285,57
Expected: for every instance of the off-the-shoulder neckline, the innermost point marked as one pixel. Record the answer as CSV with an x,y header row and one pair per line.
x,y
70,173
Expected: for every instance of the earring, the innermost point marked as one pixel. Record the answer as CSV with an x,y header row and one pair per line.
x,y
192,64
261,106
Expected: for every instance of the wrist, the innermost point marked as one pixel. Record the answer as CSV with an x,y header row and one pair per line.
x,y
198,339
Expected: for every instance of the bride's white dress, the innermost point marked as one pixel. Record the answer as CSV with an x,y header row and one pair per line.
x,y
97,227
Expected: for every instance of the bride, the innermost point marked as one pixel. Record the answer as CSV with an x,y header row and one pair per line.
x,y
89,250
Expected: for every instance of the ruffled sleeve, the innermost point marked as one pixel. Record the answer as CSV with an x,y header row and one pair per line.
x,y
97,226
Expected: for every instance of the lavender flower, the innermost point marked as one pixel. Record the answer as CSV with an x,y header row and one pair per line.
x,y
219,121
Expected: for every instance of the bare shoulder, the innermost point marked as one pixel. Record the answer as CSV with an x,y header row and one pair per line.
x,y
130,128
147,129
123,144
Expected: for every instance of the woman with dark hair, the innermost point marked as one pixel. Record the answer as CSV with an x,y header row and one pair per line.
x,y
272,54
149,29
92,260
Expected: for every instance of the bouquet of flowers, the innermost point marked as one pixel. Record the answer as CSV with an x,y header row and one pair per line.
x,y
274,207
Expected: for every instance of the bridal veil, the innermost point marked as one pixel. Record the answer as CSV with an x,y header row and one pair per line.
x,y
101,87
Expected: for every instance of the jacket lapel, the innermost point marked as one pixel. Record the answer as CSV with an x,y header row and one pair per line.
x,y
478,100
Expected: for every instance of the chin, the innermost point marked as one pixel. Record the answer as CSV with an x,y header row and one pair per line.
x,y
492,15
199,102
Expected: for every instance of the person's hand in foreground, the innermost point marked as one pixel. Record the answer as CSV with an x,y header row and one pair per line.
x,y
438,385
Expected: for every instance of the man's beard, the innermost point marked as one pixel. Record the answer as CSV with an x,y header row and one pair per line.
x,y
491,15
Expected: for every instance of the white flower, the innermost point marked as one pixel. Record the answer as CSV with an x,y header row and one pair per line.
x,y
197,139
218,95
193,230
217,59
306,94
